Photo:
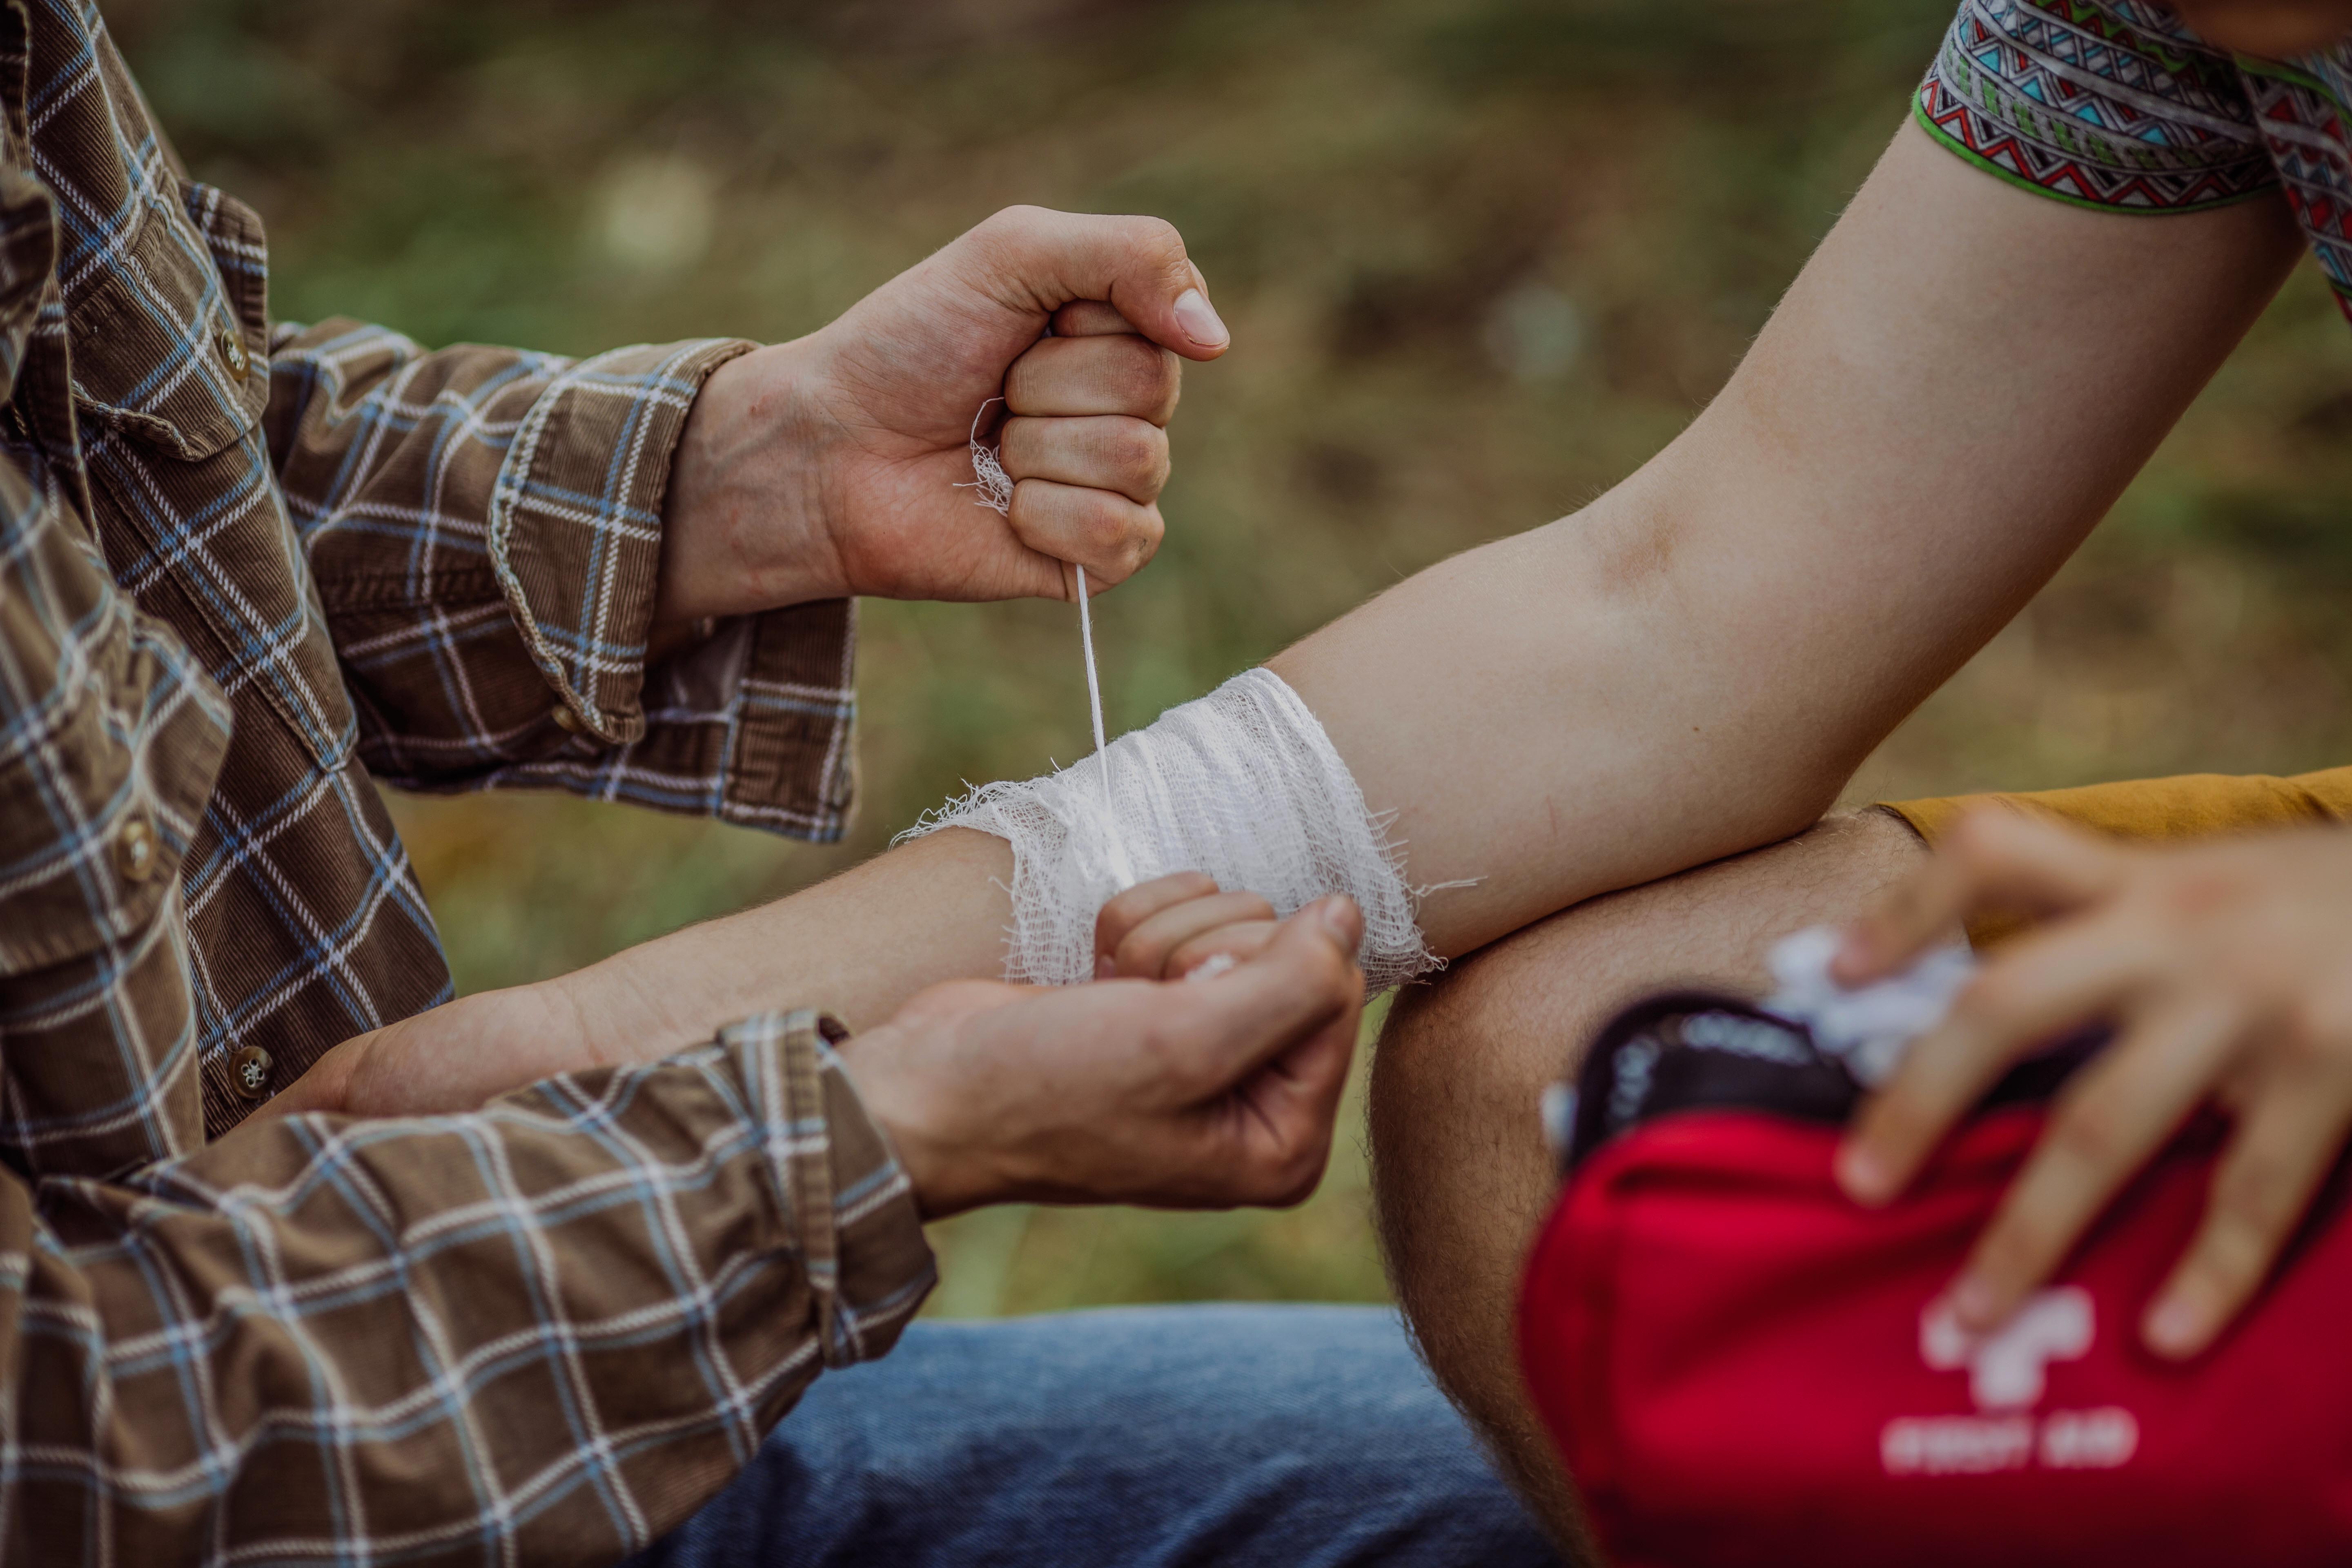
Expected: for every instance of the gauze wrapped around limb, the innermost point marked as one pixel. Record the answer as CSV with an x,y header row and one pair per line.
x,y
1242,784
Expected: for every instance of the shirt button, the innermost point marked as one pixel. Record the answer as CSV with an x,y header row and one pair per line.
x,y
249,1069
568,720
135,850
232,350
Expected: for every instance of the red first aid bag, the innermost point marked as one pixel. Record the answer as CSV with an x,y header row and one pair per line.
x,y
1741,1365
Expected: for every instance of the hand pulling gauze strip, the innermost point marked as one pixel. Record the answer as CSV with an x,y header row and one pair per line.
x,y
1243,785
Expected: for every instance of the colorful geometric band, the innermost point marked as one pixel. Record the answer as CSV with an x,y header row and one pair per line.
x,y
2092,103
2300,108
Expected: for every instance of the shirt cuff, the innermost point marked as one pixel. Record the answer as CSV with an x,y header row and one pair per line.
x,y
846,1198
753,724
575,524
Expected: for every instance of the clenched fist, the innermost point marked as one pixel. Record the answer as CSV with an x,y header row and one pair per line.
x,y
828,466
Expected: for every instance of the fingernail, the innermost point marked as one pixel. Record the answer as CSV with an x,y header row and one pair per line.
x,y
1863,1174
1199,320
1973,1302
1852,958
2171,1327
1339,917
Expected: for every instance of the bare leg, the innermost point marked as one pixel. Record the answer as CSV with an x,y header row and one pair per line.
x,y
1461,1173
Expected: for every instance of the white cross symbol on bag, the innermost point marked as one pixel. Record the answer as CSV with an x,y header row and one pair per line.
x,y
2008,1369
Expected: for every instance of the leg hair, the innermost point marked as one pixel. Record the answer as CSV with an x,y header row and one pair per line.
x,y
1461,1173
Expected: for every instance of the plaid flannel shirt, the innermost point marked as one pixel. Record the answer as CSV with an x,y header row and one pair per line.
x,y
245,572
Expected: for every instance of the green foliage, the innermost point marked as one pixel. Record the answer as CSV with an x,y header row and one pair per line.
x,y
1481,257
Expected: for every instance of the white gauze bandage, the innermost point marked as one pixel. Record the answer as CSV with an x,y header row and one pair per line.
x,y
1242,784
1869,1026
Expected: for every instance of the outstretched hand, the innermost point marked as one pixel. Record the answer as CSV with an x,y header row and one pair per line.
x,y
2226,971
1201,1093
828,466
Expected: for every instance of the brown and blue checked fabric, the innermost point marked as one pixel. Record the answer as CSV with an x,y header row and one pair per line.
x,y
541,1334
248,572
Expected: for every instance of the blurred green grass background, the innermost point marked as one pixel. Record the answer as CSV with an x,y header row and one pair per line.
x,y
1481,257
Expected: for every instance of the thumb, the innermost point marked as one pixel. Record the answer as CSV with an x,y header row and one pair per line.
x,y
1036,259
1304,981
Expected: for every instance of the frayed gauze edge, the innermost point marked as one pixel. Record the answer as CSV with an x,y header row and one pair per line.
x,y
1243,785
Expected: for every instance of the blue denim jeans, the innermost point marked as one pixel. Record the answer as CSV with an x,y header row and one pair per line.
x,y
1289,1437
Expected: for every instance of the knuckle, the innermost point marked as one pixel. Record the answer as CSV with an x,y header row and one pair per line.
x,y
2246,1202
1139,375
1105,527
1139,955
1136,452
2014,1250
2231,1255
1018,218
1004,230
1169,372
2095,1135
1900,1116
1992,995
1158,242
1112,926
1142,541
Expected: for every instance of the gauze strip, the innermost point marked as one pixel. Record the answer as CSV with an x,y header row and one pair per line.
x,y
1243,785
1869,1026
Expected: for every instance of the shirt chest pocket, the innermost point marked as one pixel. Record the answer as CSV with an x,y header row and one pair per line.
x,y
171,369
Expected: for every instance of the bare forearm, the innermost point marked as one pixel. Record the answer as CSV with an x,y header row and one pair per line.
x,y
1956,389
1952,393
857,945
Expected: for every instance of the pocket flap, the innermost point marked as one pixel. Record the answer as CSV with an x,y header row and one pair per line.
x,y
171,345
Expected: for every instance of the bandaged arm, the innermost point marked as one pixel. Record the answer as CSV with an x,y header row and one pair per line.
x,y
1956,388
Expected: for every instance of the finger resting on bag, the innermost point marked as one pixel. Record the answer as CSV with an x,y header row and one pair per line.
x,y
1111,373
2286,1141
1102,531
1900,924
1099,451
1994,859
2027,995
2115,1112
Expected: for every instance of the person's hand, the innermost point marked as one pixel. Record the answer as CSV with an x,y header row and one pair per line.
x,y
1185,1093
2225,969
1166,928
1199,1093
828,466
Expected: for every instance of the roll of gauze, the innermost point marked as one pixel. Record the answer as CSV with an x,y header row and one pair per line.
x,y
1242,784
